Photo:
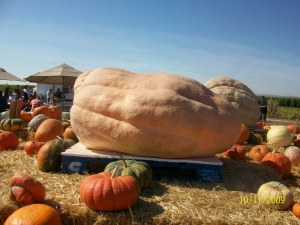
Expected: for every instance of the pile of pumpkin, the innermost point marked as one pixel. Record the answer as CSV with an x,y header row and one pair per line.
x,y
48,133
116,188
279,150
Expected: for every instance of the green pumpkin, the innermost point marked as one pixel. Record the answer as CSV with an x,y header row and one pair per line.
x,y
66,142
5,115
140,170
49,156
36,121
11,124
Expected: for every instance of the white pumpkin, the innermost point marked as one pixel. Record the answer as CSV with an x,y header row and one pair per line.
x,y
241,97
275,195
293,153
279,136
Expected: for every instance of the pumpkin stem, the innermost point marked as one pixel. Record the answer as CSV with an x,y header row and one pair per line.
x,y
124,161
113,173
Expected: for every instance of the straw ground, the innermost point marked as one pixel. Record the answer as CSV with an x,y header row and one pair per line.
x,y
166,202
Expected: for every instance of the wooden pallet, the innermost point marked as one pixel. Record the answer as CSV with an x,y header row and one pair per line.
x,y
79,159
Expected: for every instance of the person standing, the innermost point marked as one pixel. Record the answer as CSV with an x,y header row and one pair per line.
x,y
58,94
3,102
263,105
49,95
37,102
18,92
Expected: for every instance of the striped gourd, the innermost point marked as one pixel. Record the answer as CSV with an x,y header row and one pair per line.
x,y
36,121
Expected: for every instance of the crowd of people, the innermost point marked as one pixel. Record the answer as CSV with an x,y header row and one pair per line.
x,y
30,99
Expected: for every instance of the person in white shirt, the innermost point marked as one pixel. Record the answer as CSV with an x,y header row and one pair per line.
x,y
49,95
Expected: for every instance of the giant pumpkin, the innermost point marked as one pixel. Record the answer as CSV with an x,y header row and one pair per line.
x,y
156,115
240,96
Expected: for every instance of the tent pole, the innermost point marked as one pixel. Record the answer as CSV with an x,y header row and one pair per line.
x,y
63,93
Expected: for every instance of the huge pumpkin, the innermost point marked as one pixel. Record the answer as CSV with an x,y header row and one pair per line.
x,y
156,115
241,97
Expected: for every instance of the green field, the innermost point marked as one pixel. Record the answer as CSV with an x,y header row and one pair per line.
x,y
286,113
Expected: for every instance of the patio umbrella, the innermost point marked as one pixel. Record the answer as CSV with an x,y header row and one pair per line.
x,y
4,75
62,74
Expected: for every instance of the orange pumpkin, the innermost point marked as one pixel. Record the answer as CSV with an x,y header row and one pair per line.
x,y
26,190
49,130
294,128
260,124
8,140
35,214
106,192
244,135
279,162
296,209
54,112
69,133
236,152
32,147
258,152
26,116
155,115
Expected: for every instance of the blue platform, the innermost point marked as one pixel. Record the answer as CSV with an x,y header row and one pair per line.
x,y
78,159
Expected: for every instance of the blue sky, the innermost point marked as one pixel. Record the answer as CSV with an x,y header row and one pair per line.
x,y
256,42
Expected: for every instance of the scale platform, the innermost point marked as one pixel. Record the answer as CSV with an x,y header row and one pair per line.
x,y
79,159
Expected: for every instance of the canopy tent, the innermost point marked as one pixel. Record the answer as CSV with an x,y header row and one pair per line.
x,y
62,74
4,75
